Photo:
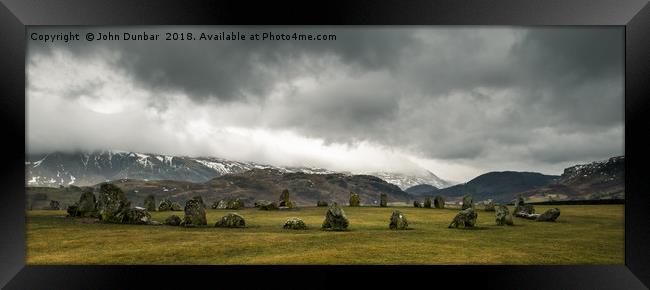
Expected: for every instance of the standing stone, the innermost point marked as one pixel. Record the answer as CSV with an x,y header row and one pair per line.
x,y
194,214
200,200
503,216
231,220
466,218
284,199
321,203
489,205
335,219
176,206
519,202
439,202
427,202
165,205
417,203
87,205
54,205
150,203
173,220
398,221
468,202
354,199
112,204
295,223
549,216
382,199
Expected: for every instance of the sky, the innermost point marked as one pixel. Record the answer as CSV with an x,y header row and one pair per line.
x,y
457,101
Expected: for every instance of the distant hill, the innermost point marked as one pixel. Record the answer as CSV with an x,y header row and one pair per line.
x,y
498,186
596,180
422,189
257,184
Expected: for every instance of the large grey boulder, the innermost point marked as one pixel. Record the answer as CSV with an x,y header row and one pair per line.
x,y
549,216
439,202
112,204
335,219
468,202
194,214
173,220
503,216
150,203
398,221
383,197
165,205
295,223
231,220
466,218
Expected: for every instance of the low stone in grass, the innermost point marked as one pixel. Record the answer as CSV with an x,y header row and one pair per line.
x,y
150,203
176,206
138,215
295,223
398,221
165,205
335,219
268,206
439,202
468,202
465,218
173,220
382,199
321,203
549,216
194,214
503,216
231,220
354,199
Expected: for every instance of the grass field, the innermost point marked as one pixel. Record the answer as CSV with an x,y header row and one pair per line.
x,y
583,234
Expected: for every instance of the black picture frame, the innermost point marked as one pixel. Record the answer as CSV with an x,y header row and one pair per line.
x,y
15,15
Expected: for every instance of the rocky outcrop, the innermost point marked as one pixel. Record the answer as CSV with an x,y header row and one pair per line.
x,y
295,223
231,220
398,221
335,219
465,218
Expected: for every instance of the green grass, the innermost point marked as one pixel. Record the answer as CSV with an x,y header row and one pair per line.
x,y
583,234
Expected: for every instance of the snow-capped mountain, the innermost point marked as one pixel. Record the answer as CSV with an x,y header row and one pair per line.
x,y
405,181
88,168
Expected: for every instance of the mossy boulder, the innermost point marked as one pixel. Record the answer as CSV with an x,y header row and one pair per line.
x,y
176,206
231,220
138,215
427,202
398,221
295,223
165,205
503,216
549,216
383,197
268,206
173,220
150,203
465,218
321,203
335,219
112,203
194,214
468,201
439,202
354,199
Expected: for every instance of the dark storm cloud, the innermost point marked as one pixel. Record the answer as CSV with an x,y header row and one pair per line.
x,y
475,95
